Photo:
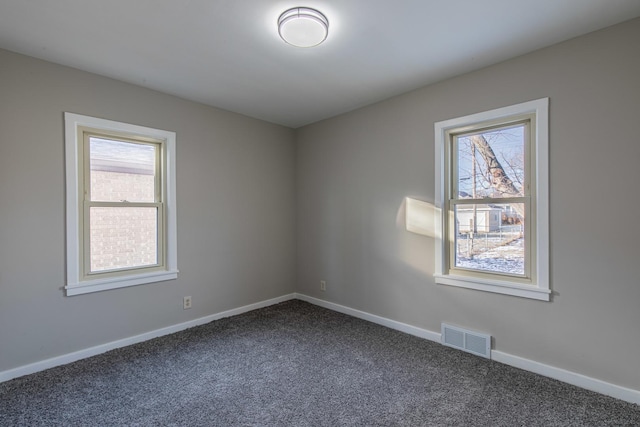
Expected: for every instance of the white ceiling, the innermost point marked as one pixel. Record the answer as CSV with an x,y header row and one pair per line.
x,y
227,53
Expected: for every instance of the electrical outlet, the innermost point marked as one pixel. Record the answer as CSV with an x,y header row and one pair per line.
x,y
323,285
186,303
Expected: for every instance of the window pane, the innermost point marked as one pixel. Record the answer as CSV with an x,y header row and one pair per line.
x,y
122,171
490,238
123,237
491,164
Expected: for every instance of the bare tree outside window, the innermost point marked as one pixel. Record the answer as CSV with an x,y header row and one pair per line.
x,y
489,210
492,200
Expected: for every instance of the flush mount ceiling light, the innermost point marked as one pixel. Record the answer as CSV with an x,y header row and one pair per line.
x,y
303,27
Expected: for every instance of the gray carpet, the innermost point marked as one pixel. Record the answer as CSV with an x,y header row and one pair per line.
x,y
295,364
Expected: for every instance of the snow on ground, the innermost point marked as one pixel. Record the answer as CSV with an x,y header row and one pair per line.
x,y
507,258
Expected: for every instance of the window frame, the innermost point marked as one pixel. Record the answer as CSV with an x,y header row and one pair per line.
x,y
78,130
85,193
536,285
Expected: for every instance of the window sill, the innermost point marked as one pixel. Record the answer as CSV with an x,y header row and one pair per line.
x,y
97,285
494,286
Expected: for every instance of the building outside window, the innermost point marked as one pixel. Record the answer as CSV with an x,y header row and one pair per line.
x,y
492,192
121,223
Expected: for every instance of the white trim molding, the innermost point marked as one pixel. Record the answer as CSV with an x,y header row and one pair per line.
x,y
393,324
76,283
537,286
573,378
102,348
579,380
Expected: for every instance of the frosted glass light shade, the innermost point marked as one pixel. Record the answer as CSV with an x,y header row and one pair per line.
x,y
303,27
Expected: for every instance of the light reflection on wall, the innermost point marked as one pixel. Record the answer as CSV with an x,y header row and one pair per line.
x,y
418,218
421,217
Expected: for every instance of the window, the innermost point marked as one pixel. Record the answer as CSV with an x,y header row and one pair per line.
x,y
121,222
492,195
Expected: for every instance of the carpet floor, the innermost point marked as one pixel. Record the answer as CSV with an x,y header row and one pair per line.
x,y
295,364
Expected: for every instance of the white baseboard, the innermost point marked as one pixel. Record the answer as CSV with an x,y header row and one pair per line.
x,y
102,348
569,377
579,380
403,327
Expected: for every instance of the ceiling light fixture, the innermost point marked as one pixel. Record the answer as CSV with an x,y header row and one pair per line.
x,y
303,27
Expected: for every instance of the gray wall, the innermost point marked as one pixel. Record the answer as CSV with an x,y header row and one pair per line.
x,y
354,171
235,179
242,184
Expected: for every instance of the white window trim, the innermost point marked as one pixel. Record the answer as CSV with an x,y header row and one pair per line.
x,y
75,285
540,289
